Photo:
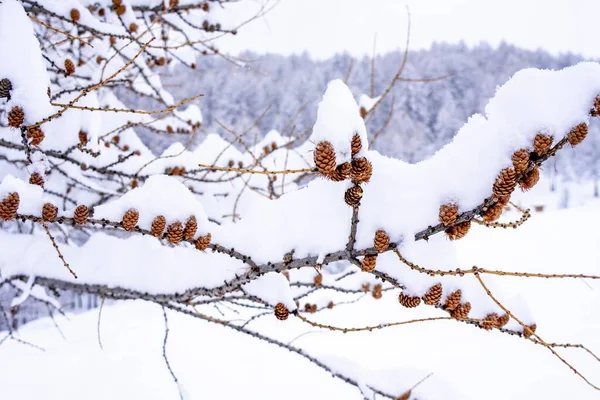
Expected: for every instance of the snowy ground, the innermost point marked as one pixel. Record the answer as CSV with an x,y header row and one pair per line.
x,y
217,363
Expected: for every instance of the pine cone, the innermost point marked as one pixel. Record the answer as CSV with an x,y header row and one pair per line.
x,y
355,145
281,312
330,305
362,169
75,15
83,139
9,206
368,263
503,320
16,117
81,214
203,241
36,179
363,112
490,321
461,311
342,172
5,88
69,67
49,212
520,160
133,27
433,295
577,134
191,226
458,231
529,330
530,179
36,135
158,226
318,279
494,212
381,241
175,232
366,287
453,300
505,183
409,301
594,112
324,157
448,214
130,219
377,292
353,196
121,9
542,143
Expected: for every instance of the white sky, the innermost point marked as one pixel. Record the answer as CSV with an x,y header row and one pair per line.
x,y
326,27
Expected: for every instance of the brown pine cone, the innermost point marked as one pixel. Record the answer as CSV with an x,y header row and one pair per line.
x,y
577,134
36,179
324,157
318,279
355,145
453,300
81,214
9,206
5,88
490,321
381,241
542,143
158,226
461,311
366,287
363,112
594,112
458,231
368,263
133,27
353,196
520,160
342,172
83,139
409,301
505,183
191,226
36,135
330,305
69,67
175,232
362,169
121,9
130,219
281,312
529,330
49,212
494,212
503,320
203,241
448,214
377,292
530,179
433,295
16,117
75,15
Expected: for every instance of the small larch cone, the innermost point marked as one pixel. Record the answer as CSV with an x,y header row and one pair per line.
x,y
520,160
158,226
377,292
121,9
175,232
363,112
494,212
595,112
203,241
490,321
5,88
542,143
577,134
49,212
368,263
83,139
433,295
362,169
502,320
355,145
75,15
409,301
453,300
461,311
324,157
16,117
365,287
318,280
191,226
353,196
529,330
448,214
404,396
69,67
381,241
36,179
281,312
505,183
530,179
81,214
133,27
9,206
342,172
130,219
36,135
458,231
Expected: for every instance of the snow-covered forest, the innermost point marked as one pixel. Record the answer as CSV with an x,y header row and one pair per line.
x,y
414,225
